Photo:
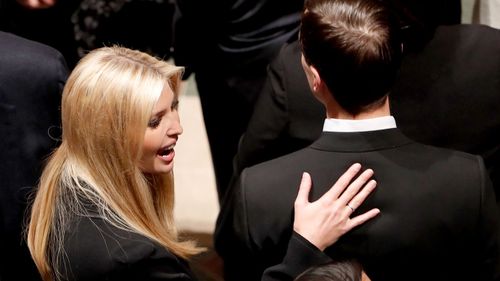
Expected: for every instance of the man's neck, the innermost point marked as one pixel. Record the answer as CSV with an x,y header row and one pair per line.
x,y
335,111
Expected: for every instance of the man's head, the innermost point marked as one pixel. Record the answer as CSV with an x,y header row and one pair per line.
x,y
345,270
355,48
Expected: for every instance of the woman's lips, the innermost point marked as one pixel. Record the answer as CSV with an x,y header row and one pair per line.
x,y
166,155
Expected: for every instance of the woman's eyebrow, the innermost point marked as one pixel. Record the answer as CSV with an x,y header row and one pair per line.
x,y
160,112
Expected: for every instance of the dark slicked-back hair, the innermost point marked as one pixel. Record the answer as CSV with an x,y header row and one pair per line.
x,y
355,46
348,270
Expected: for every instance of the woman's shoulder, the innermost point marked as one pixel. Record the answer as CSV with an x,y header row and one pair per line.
x,y
95,249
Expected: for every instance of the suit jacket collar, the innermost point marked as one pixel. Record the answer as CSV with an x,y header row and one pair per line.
x,y
361,141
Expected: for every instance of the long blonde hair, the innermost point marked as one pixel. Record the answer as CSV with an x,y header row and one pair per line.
x,y
106,105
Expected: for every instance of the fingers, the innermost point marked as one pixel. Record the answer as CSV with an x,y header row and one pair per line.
x,y
304,189
341,184
355,187
322,222
358,220
360,197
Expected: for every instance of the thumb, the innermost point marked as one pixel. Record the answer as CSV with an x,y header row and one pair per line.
x,y
304,188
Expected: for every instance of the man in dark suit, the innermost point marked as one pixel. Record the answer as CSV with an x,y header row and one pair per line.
x,y
438,220
32,76
452,80
228,45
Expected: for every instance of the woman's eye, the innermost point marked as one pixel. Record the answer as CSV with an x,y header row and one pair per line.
x,y
175,105
154,123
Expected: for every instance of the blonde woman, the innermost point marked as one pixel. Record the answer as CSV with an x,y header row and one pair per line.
x,y
103,210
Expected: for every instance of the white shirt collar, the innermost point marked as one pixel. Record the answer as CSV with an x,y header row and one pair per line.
x,y
345,125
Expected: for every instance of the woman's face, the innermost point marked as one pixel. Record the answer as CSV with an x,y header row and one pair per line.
x,y
161,135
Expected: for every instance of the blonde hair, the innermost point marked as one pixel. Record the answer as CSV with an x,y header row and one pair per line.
x,y
106,105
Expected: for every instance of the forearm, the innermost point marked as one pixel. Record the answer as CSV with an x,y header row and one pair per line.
x,y
300,255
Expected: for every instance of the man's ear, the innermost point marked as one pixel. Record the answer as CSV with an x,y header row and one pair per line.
x,y
317,81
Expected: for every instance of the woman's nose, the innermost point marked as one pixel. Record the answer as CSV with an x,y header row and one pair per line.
x,y
176,128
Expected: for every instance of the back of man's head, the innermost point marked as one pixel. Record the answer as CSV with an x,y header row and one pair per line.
x,y
344,270
355,46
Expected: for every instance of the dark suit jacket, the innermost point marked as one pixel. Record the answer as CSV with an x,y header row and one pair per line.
x,y
438,218
447,95
31,79
96,250
234,34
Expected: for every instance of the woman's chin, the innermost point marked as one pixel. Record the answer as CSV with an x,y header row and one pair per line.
x,y
158,168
